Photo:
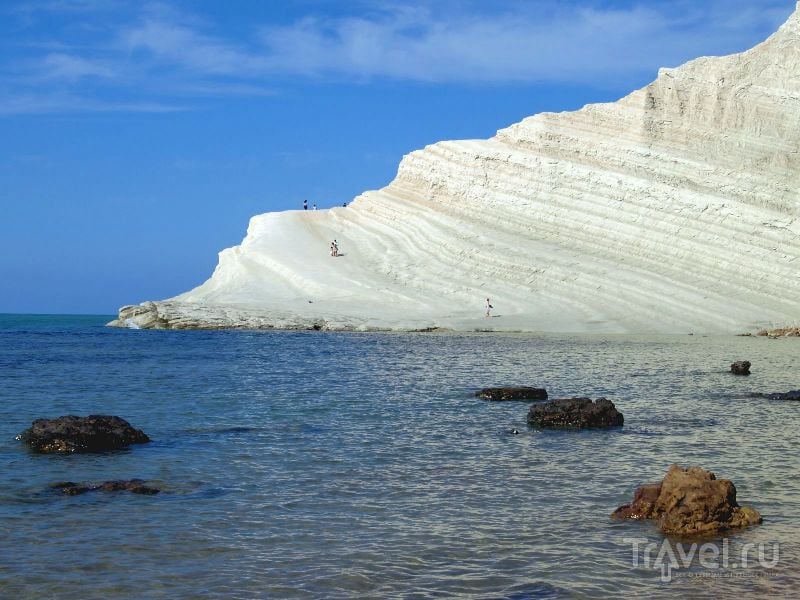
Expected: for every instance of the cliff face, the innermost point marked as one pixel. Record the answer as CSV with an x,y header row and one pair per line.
x,y
674,209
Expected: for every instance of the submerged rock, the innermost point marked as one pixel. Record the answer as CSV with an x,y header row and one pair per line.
x,y
575,413
95,433
689,502
498,394
135,486
741,367
793,395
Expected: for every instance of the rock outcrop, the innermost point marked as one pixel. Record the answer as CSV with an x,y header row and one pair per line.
x,y
741,367
780,332
95,433
501,394
689,502
575,413
619,217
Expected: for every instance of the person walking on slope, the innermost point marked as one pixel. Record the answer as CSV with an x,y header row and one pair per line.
x,y
335,248
489,308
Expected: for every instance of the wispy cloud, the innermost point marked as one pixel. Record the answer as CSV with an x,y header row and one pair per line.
x,y
33,104
153,55
574,42
181,46
72,68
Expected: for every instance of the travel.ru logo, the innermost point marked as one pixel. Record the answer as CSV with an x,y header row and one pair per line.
x,y
712,556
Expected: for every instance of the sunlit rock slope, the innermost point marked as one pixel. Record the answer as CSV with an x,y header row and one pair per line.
x,y
674,209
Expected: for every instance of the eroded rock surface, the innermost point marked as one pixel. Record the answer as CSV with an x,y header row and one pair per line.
x,y
619,217
780,332
689,502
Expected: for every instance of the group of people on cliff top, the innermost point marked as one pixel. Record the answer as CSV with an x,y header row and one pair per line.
x,y
314,206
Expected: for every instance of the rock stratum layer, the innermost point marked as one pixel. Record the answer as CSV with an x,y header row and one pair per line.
x,y
672,210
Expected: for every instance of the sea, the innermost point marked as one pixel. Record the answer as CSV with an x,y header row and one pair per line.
x,y
361,465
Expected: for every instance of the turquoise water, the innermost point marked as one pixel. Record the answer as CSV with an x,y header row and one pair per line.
x,y
321,465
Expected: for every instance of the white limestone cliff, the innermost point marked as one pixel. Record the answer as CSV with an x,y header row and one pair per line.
x,y
674,209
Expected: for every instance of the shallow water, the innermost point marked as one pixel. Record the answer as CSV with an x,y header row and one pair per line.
x,y
321,465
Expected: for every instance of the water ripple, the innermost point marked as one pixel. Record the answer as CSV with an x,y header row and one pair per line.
x,y
300,465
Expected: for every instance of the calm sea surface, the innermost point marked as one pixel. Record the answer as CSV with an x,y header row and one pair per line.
x,y
320,465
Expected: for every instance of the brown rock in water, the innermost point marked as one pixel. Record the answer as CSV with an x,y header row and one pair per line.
x,y
575,413
643,505
498,394
689,502
741,367
95,433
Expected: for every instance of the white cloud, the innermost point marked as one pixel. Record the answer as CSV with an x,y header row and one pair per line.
x,y
573,43
157,53
182,46
529,42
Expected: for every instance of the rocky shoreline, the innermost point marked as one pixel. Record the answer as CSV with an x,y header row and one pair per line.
x,y
179,315
780,332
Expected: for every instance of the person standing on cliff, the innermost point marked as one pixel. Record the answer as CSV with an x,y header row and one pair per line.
x,y
489,308
305,204
314,206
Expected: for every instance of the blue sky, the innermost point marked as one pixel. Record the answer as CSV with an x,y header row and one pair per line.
x,y
137,138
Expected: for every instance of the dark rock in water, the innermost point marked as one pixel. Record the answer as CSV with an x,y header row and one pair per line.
x,y
498,394
135,486
575,413
70,488
95,433
741,367
793,395
689,502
